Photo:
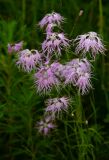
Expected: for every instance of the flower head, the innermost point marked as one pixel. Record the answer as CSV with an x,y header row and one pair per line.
x,y
56,68
55,42
78,72
45,126
89,42
10,48
18,46
15,47
84,83
56,105
27,59
46,78
55,18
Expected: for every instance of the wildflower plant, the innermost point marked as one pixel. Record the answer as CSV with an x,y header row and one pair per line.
x,y
49,73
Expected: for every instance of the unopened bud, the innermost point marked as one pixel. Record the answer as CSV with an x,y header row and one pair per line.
x,y
72,114
81,12
86,122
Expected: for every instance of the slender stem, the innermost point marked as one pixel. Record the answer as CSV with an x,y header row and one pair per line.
x,y
23,16
101,24
100,17
79,125
76,21
68,140
23,11
79,108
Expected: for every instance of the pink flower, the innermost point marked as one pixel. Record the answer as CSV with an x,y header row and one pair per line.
x,y
56,68
69,71
10,48
56,105
45,126
15,47
45,78
78,72
84,83
55,42
27,59
89,42
18,46
50,27
55,18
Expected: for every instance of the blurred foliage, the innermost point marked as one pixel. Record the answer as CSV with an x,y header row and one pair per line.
x,y
21,106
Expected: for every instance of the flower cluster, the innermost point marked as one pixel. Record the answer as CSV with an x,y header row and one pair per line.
x,y
54,41
49,73
53,108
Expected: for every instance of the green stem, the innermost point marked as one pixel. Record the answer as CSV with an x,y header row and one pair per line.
x,y
100,18
101,24
79,125
79,108
23,16
23,11
68,140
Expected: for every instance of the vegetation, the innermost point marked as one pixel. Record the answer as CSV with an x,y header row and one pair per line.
x,y
82,132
